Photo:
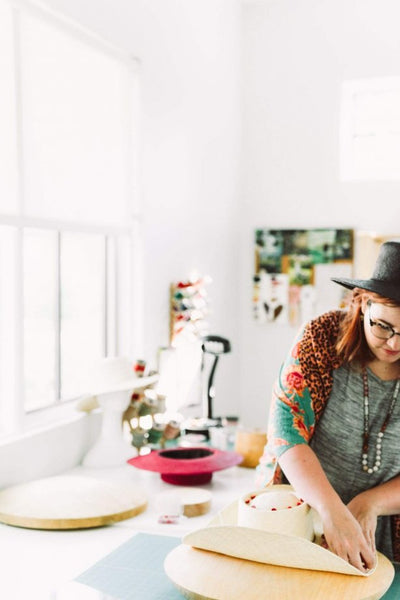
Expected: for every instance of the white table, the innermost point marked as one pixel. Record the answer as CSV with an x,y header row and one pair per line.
x,y
40,565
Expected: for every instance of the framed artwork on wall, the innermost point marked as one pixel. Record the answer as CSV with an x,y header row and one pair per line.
x,y
292,272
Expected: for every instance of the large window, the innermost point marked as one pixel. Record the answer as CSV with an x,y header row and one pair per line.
x,y
68,109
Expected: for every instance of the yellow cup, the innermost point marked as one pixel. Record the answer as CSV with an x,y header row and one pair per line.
x,y
250,444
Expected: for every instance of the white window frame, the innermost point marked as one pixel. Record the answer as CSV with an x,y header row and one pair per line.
x,y
123,334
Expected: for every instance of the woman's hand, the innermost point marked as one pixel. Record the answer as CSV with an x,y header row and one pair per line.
x,y
366,514
343,532
345,537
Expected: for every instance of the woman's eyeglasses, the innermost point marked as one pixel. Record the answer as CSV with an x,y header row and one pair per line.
x,y
381,330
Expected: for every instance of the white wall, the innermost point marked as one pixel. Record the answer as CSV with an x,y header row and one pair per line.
x,y
48,451
189,52
296,54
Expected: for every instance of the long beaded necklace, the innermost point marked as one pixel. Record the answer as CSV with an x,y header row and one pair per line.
x,y
379,439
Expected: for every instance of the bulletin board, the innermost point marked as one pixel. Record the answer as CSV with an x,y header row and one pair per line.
x,y
293,270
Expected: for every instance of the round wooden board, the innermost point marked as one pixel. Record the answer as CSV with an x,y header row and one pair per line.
x,y
70,502
203,575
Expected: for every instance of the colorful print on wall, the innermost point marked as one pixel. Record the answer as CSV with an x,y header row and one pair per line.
x,y
293,268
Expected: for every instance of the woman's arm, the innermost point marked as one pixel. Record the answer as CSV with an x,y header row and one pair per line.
x,y
291,416
384,499
343,533
378,501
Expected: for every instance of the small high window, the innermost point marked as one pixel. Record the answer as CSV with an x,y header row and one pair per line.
x,y
370,129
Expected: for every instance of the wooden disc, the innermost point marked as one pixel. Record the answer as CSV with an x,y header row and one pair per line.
x,y
196,502
189,501
70,502
203,575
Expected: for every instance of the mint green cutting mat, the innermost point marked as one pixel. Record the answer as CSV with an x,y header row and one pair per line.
x,y
135,570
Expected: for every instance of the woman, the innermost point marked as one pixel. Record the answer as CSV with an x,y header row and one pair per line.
x,y
334,428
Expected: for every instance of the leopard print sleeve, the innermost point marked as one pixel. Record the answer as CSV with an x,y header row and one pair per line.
x,y
318,357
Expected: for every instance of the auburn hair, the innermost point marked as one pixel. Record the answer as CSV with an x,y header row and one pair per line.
x,y
351,344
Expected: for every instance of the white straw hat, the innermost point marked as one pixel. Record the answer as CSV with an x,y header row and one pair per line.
x,y
226,535
113,374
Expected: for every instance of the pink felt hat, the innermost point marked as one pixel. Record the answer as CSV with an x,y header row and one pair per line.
x,y
186,466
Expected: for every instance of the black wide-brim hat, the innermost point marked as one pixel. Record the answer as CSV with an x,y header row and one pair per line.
x,y
385,279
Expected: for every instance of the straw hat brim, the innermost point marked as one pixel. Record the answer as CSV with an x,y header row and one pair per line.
x,y
133,383
224,536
